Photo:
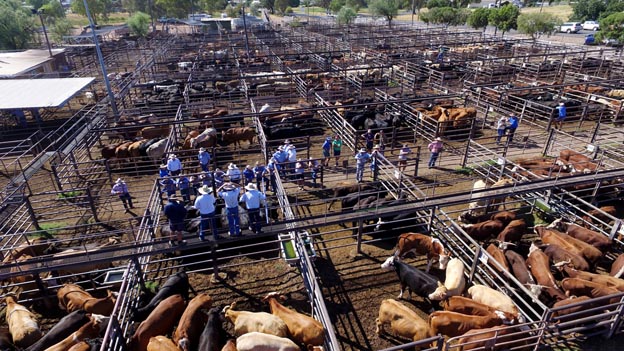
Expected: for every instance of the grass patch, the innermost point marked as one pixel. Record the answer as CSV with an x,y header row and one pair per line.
x,y
467,171
562,11
48,229
151,287
68,194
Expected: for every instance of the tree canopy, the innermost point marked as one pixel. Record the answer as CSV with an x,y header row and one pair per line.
x,y
52,11
17,26
448,16
612,27
584,10
504,18
537,24
175,8
336,5
139,24
385,8
98,8
61,27
438,3
346,15
479,18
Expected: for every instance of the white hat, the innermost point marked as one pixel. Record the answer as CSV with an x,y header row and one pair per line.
x,y
251,186
119,180
172,156
291,147
248,167
205,189
280,148
561,104
202,149
438,139
328,138
232,166
362,150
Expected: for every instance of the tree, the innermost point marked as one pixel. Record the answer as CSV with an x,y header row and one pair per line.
x,y
346,15
613,6
504,18
36,4
438,3
61,28
294,3
175,8
17,26
336,5
479,18
98,8
357,4
584,10
52,11
537,24
385,8
323,3
139,24
280,6
269,5
612,27
212,6
448,16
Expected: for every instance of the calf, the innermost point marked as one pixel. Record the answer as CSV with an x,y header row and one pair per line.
x,y
213,335
256,341
176,284
420,244
454,283
90,330
582,287
415,280
193,319
493,298
247,322
159,322
403,321
161,343
559,256
301,328
455,324
602,279
499,256
483,230
521,272
595,239
22,323
617,268
539,264
512,233
67,325
551,236
72,297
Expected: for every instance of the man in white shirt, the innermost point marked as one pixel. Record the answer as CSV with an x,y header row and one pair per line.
x,y
174,165
205,204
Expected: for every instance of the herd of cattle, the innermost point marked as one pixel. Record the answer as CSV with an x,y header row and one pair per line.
x,y
168,322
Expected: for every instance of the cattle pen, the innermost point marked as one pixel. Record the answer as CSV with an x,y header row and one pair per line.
x,y
322,244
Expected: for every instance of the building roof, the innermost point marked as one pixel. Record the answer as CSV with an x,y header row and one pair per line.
x,y
19,62
39,93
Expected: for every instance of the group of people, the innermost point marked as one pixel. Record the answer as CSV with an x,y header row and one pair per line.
x,y
285,162
506,125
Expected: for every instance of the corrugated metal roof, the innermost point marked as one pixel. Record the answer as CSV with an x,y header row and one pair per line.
x,y
16,63
38,93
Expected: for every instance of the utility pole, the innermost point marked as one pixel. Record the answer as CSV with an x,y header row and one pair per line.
x,y
45,33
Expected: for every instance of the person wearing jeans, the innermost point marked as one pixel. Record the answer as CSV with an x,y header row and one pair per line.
x,y
253,199
205,204
360,161
229,192
121,189
435,147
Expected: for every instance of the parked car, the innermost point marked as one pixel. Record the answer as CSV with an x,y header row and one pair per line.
x,y
591,25
571,27
611,42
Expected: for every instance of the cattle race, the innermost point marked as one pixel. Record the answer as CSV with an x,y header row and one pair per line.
x,y
317,188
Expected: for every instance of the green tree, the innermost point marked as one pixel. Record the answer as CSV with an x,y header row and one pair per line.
x,y
385,8
269,5
175,8
448,16
356,4
537,24
213,6
52,11
336,5
346,15
280,6
613,6
431,4
584,10
479,18
612,27
36,4
98,8
504,18
323,3
139,24
17,26
294,3
61,28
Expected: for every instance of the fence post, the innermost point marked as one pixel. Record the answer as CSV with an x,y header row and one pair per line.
x,y
551,135
616,320
465,156
359,236
417,161
31,212
475,261
215,265
92,204
56,178
137,266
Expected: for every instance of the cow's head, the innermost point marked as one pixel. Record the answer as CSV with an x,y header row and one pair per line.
x,y
535,289
439,294
275,295
388,264
507,318
444,259
533,248
555,224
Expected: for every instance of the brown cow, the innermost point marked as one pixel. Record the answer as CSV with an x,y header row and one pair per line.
x,y
420,244
551,236
512,233
301,328
109,151
403,321
236,135
519,269
577,161
499,256
22,323
503,216
455,324
230,345
560,256
153,132
603,279
159,322
122,150
71,297
492,339
617,268
90,330
572,300
539,265
582,287
161,343
133,149
192,322
471,307
595,239
604,214
483,230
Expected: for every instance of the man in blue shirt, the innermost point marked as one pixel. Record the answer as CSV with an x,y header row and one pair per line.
x,y
563,113
326,151
185,189
205,204
204,159
168,186
253,199
176,213
360,161
260,173
229,192
512,126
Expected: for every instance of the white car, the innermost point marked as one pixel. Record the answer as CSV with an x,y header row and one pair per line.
x,y
570,27
591,25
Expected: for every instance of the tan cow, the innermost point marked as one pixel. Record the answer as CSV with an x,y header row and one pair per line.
x,y
191,324
581,287
403,321
617,268
159,322
161,343
539,264
499,256
601,279
455,324
493,298
551,236
454,283
471,307
22,323
72,297
247,322
595,239
302,329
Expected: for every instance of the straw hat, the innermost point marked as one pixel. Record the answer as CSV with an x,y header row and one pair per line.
x,y
251,186
172,156
205,190
202,149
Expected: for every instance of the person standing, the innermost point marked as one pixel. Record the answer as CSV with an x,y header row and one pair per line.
x,y
273,168
260,172
513,125
299,173
403,155
435,147
248,174
204,159
563,113
360,161
185,189
315,166
120,188
292,156
229,192
380,140
374,160
501,127
219,177
234,173
205,204
326,151
368,137
176,213
337,147
253,199
168,186
163,171
174,165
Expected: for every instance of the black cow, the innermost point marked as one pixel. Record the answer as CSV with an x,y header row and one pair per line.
x,y
5,339
213,336
415,280
64,328
176,284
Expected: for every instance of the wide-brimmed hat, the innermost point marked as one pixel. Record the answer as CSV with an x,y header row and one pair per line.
x,y
119,180
229,186
205,190
251,186
376,147
438,139
172,156
362,150
561,104
232,166
202,149
328,138
291,147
